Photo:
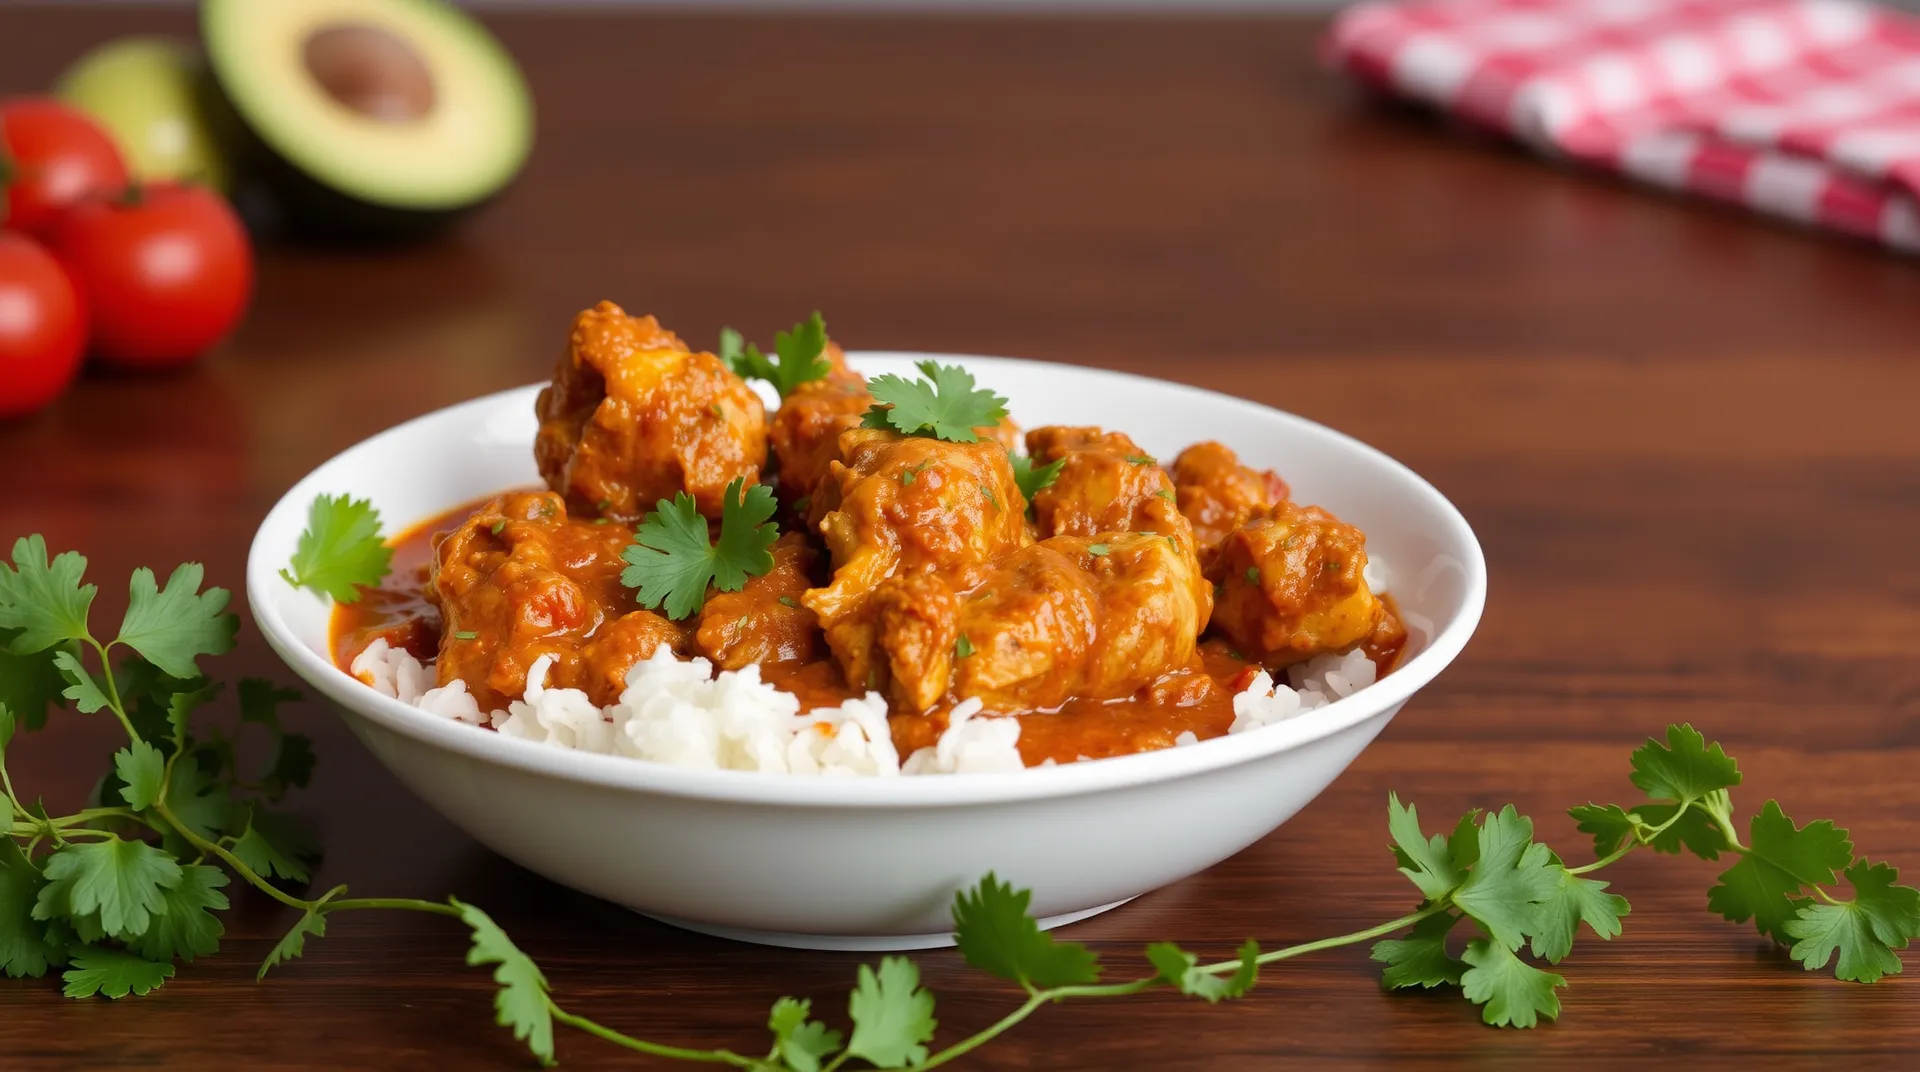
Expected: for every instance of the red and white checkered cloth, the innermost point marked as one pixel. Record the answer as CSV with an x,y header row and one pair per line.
x,y
1807,109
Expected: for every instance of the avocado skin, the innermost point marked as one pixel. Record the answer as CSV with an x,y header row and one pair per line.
x,y
280,202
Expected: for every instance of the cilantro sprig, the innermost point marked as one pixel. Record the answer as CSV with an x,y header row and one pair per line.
x,y
1033,479
799,356
944,404
118,896
673,560
341,550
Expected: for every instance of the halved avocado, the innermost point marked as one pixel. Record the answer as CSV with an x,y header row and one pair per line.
x,y
367,118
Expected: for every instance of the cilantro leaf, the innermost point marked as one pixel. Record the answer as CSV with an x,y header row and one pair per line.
x,y
945,404
173,626
24,947
798,1041
1685,769
1421,958
1575,901
197,799
7,726
142,771
671,561
1894,911
892,1015
1608,824
124,882
1513,875
1513,992
293,759
44,600
29,684
82,687
1177,968
294,943
341,550
522,1002
1031,478
276,846
180,708
801,356
997,934
186,926
1427,863
732,346
1865,931
1781,859
113,973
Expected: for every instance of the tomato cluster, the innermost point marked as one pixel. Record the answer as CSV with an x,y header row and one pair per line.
x,y
139,276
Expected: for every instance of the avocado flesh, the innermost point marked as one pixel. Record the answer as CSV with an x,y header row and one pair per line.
x,y
311,81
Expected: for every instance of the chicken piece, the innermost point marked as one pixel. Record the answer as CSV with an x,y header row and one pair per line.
x,y
1098,618
764,621
805,432
520,579
1107,484
1289,586
1217,494
633,417
899,506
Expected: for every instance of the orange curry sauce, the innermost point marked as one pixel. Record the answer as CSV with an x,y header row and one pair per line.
x,y
1199,701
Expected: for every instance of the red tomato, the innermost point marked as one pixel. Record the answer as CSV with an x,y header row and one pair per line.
x,y
50,156
166,270
43,329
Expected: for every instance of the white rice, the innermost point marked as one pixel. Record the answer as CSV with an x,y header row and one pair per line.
x,y
679,712
1315,683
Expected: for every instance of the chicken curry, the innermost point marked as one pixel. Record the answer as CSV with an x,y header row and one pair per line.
x,y
1111,602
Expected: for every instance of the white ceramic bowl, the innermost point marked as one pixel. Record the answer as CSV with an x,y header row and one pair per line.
x,y
874,863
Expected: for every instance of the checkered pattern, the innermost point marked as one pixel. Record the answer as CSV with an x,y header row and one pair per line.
x,y
1807,109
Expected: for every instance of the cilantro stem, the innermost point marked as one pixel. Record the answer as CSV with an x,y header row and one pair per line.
x,y
114,702
607,1034
1035,999
239,867
404,904
1609,858
1291,951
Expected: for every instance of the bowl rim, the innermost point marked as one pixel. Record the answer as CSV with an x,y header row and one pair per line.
x,y
754,787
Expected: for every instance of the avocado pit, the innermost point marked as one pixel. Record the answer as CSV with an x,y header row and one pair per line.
x,y
371,71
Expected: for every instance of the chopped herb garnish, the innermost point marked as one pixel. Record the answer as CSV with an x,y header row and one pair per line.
x,y
498,527
908,474
992,499
945,404
1139,459
672,561
603,503
1164,493
1031,478
1253,574
1098,549
599,520
962,647
787,601
466,634
718,413
1236,654
800,505
800,356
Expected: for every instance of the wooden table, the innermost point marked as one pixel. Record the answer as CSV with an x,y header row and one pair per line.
x,y
1686,437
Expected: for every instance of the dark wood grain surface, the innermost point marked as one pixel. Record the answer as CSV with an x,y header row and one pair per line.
x,y
1687,439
